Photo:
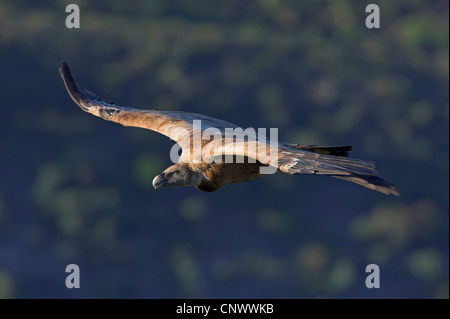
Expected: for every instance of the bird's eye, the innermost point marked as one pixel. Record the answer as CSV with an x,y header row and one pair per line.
x,y
176,172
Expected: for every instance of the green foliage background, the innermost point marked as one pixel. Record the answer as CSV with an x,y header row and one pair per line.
x,y
76,189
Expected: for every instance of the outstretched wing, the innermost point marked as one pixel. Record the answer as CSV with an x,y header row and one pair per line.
x,y
292,160
177,125
350,169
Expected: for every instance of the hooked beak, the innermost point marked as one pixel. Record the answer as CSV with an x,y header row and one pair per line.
x,y
159,181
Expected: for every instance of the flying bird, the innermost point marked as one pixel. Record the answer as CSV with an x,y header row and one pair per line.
x,y
208,173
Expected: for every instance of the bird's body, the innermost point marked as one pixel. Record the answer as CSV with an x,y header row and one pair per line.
x,y
200,166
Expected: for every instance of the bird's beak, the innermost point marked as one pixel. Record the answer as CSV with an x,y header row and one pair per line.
x,y
159,181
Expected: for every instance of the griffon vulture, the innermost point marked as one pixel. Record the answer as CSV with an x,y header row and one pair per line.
x,y
208,175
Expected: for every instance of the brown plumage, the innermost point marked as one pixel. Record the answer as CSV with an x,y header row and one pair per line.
x,y
196,167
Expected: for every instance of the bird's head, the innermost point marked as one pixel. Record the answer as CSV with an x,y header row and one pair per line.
x,y
177,175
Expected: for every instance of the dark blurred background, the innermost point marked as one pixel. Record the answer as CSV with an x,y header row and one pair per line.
x,y
77,189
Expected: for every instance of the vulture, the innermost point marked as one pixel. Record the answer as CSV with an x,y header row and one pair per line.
x,y
220,160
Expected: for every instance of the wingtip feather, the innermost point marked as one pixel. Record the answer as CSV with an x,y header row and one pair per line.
x,y
70,84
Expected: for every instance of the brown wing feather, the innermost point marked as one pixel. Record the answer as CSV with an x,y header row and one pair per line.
x,y
174,124
351,169
292,160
